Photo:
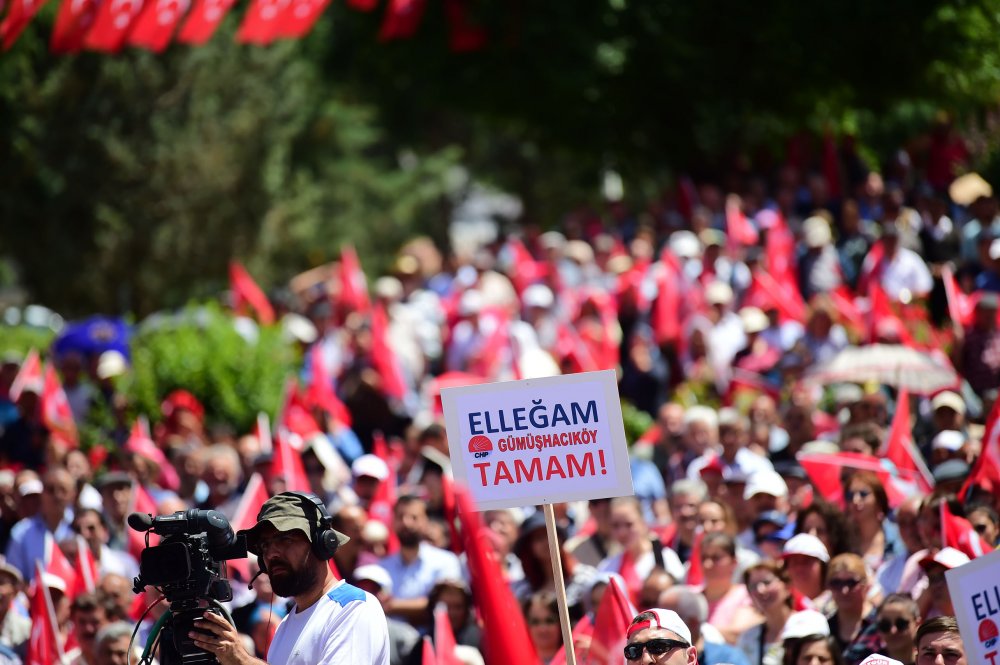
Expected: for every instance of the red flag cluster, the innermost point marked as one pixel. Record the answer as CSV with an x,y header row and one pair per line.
x,y
111,25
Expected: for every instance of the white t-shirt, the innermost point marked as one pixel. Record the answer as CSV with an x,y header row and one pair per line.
x,y
344,627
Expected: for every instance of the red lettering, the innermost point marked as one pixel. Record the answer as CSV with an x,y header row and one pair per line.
x,y
554,468
528,474
572,464
502,473
482,466
992,655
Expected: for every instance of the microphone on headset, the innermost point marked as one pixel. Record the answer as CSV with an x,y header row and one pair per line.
x,y
259,572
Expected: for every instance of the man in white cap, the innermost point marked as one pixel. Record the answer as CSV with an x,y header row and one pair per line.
x,y
819,267
659,636
948,412
805,558
55,516
936,600
765,491
369,472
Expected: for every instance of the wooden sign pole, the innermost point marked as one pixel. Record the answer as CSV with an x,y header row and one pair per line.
x,y
559,583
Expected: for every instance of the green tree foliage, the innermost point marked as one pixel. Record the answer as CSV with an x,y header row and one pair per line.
x,y
201,351
130,181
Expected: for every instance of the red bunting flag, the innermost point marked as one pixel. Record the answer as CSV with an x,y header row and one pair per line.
x,y
246,292
508,640
20,14
958,532
900,449
402,19
29,376
985,472
300,16
111,27
463,34
56,413
204,18
45,643
262,23
156,24
75,18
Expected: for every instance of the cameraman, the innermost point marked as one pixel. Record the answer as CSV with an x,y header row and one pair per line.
x,y
331,623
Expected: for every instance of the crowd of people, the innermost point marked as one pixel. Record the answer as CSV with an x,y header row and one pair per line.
x,y
719,309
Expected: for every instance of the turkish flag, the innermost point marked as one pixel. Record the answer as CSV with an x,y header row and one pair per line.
x,y
614,614
112,25
508,640
825,470
427,656
202,21
986,471
401,20
300,16
286,463
319,392
961,307
353,284
44,644
74,20
254,496
633,583
262,22
739,229
141,502
843,301
524,269
20,14
384,499
384,359
28,376
296,413
56,413
156,24
766,292
246,292
957,532
665,317
87,571
695,573
444,637
57,564
900,449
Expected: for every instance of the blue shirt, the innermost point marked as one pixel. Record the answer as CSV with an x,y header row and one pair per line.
x,y
714,653
27,542
418,578
647,481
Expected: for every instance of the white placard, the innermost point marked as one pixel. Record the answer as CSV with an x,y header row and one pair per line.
x,y
975,594
537,441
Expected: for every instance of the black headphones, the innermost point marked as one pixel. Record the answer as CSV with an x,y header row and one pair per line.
x,y
323,537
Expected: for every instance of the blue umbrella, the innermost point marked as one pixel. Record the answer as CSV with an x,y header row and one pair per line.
x,y
93,336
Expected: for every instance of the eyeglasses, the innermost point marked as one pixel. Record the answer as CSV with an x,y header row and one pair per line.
x,y
885,625
655,647
547,621
863,494
980,528
844,585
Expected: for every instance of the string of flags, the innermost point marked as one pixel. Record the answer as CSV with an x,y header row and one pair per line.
x,y
108,26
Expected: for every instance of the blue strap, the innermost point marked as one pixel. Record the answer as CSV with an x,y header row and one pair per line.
x,y
346,593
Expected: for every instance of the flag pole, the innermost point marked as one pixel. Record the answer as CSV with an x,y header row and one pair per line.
x,y
559,583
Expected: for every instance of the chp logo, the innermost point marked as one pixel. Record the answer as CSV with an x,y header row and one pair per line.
x,y
988,633
480,446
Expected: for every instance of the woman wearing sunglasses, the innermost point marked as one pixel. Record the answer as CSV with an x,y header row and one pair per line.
x,y
659,637
897,622
542,614
852,626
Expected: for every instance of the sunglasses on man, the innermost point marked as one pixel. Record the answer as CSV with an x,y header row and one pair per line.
x,y
656,647
885,625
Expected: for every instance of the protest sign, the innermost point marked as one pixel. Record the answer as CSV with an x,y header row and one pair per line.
x,y
975,594
538,441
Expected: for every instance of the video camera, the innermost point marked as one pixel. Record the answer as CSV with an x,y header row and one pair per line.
x,y
187,567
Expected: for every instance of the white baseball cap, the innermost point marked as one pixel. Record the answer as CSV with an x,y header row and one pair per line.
x,y
666,619
28,487
806,544
948,557
948,439
803,624
374,573
53,581
370,465
948,399
718,293
879,659
765,482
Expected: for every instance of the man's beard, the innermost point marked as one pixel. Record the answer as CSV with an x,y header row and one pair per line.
x,y
292,581
409,538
